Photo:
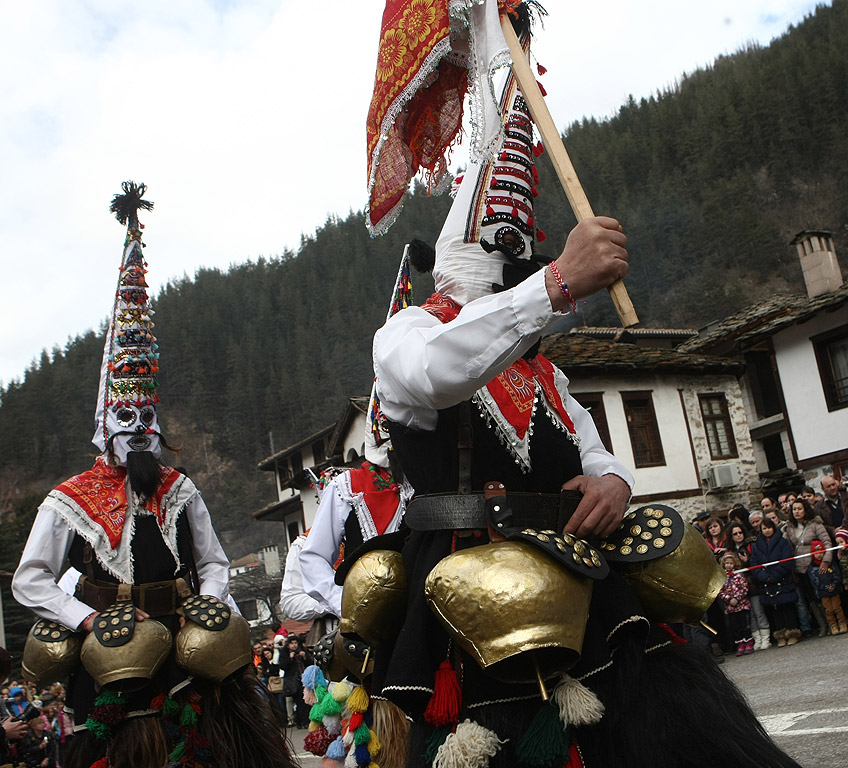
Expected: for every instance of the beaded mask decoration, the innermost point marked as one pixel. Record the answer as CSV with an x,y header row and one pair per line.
x,y
126,399
377,439
488,240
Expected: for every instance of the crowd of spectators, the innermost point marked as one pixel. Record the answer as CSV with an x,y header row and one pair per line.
x,y
36,729
786,566
279,665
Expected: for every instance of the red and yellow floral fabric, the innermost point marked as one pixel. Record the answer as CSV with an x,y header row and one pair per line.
x,y
101,493
416,109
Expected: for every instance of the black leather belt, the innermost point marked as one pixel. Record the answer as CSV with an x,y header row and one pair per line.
x,y
452,511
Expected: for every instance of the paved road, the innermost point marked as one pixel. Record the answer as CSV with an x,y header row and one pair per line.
x,y
800,694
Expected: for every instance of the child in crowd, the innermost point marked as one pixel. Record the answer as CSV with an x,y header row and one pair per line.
x,y
827,584
737,606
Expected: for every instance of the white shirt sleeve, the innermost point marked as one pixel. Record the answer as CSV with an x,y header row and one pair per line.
x,y
294,602
424,365
213,568
321,551
596,459
35,582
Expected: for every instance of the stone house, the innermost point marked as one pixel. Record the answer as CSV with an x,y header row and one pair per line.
x,y
675,419
795,384
296,467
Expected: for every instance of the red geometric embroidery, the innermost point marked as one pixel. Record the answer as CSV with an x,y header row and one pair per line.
x,y
101,494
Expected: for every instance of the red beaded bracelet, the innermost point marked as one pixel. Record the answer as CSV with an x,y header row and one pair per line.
x,y
552,267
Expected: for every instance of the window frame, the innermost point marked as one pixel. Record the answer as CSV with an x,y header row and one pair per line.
x,y
627,400
593,402
723,417
824,361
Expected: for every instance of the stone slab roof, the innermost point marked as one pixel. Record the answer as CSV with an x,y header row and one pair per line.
x,y
602,332
763,319
586,353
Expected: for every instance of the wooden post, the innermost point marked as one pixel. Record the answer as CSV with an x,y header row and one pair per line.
x,y
559,157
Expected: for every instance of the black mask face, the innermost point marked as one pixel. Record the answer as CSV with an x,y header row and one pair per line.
x,y
143,472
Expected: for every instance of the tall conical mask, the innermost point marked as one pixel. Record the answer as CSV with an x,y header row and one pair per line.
x,y
488,239
125,418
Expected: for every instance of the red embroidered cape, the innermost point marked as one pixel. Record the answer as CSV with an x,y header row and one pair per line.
x,y
382,503
101,494
513,390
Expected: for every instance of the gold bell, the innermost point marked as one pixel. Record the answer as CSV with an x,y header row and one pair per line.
x,y
131,664
51,653
374,597
214,654
680,586
521,615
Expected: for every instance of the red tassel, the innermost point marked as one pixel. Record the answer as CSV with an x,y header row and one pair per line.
x,y
675,638
540,236
574,758
493,183
502,155
535,175
539,149
490,211
542,88
446,700
534,191
530,221
355,721
540,69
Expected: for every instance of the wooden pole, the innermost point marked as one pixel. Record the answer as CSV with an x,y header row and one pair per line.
x,y
559,157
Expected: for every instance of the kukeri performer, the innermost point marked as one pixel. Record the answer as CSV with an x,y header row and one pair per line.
x,y
142,539
475,411
357,507
360,503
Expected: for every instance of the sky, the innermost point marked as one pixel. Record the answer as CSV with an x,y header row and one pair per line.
x,y
246,120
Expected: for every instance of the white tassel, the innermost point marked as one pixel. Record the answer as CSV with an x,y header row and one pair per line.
x,y
347,739
333,724
470,746
350,760
577,704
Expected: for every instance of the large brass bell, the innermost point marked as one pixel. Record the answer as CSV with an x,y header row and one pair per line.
x,y
51,653
680,586
214,655
374,597
515,610
131,664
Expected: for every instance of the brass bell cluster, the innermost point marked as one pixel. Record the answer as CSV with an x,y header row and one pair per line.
x,y
121,653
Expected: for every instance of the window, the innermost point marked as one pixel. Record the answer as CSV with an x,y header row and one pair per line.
x,y
293,530
832,357
296,464
594,403
317,451
718,427
643,429
248,609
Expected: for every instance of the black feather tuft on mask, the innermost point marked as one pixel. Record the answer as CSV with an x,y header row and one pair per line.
x,y
126,206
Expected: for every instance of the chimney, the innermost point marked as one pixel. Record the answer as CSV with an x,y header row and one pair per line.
x,y
818,261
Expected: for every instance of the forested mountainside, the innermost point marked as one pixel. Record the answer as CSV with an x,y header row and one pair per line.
x,y
711,179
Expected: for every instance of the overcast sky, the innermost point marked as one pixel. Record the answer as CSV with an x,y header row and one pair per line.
x,y
246,119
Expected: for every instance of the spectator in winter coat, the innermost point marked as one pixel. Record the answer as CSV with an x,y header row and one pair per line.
x,y
801,529
776,582
293,660
737,606
827,586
